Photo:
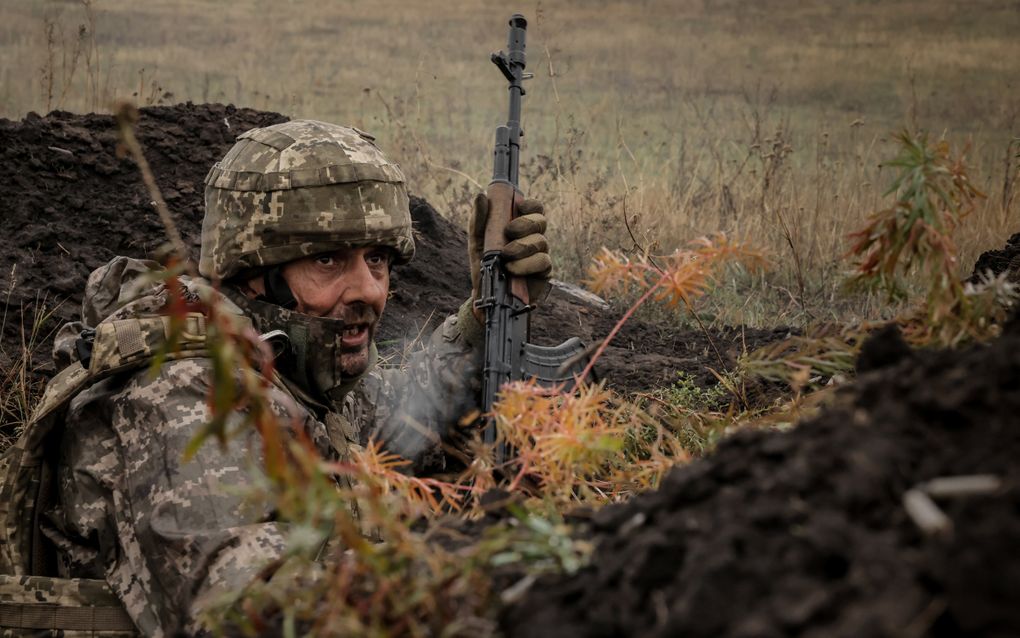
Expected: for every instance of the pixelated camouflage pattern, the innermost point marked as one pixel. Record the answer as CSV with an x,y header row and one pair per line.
x,y
301,188
42,606
121,343
171,539
311,360
71,592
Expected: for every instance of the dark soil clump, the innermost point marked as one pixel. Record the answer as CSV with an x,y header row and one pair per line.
x,y
804,533
1003,260
884,347
70,204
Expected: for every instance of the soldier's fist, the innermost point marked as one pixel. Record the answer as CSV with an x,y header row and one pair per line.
x,y
526,253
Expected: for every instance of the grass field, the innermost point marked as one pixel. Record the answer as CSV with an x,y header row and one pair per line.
x,y
765,119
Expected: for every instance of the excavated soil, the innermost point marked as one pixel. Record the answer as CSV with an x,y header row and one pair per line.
x,y
804,533
70,204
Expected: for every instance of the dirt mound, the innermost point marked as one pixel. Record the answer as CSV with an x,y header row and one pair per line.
x,y
804,533
70,204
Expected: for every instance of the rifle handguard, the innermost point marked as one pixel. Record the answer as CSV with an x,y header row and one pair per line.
x,y
503,200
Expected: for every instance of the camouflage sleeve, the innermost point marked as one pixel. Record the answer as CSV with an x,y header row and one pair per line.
x,y
414,411
170,537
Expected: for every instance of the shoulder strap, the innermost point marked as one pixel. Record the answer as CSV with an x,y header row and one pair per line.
x,y
33,605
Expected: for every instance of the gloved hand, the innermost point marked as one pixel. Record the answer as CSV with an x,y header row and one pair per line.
x,y
526,253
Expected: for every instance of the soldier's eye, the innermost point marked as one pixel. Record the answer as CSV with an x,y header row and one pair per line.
x,y
378,258
325,260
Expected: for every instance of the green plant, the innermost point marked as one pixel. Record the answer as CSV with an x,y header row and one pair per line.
x,y
693,413
686,392
932,195
807,360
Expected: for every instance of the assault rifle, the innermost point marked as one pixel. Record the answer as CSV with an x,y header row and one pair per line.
x,y
504,298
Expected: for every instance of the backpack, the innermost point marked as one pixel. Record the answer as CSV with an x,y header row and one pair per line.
x,y
33,602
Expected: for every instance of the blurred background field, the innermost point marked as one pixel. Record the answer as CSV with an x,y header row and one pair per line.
x,y
648,123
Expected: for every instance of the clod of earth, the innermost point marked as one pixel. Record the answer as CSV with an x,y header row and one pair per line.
x,y
998,261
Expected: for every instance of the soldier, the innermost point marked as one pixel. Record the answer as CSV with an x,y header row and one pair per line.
x,y
304,221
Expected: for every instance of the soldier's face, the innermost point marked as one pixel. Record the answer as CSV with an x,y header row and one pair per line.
x,y
350,284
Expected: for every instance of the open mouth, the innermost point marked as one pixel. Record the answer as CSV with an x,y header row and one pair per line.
x,y
354,335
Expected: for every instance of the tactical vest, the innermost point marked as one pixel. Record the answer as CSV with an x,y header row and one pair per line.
x,y
33,602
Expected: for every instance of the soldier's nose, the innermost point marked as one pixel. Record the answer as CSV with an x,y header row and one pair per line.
x,y
362,285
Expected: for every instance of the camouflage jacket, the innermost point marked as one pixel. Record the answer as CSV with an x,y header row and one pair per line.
x,y
169,537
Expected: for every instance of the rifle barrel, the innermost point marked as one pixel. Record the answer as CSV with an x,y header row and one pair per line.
x,y
513,65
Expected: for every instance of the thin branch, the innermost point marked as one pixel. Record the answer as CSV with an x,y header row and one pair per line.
x,y
616,329
126,116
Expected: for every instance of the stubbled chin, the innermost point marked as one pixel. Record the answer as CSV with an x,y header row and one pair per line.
x,y
353,364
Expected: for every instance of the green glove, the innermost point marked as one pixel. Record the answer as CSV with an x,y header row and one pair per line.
x,y
526,253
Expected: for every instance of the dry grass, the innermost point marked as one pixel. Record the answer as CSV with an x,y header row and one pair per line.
x,y
21,385
765,120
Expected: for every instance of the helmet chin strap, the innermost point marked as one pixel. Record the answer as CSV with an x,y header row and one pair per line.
x,y
278,291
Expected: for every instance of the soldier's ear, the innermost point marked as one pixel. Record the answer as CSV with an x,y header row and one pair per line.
x,y
277,289
248,281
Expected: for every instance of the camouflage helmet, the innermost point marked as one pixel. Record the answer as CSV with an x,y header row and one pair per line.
x,y
301,188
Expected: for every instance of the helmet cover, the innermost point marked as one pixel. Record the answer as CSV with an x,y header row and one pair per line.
x,y
301,188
